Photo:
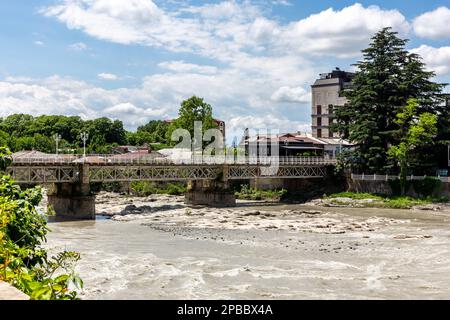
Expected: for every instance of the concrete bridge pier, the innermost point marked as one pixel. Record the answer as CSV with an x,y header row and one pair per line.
x,y
209,193
74,200
214,193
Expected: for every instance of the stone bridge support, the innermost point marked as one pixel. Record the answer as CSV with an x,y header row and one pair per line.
x,y
214,193
74,200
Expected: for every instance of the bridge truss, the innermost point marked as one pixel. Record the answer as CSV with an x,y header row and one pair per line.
x,y
43,174
39,174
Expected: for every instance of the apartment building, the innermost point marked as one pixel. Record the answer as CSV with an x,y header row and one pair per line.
x,y
327,93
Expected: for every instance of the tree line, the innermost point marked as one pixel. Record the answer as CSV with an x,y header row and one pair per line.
x,y
25,132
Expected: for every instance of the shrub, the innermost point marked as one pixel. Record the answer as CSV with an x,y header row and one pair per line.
x,y
426,187
143,188
23,262
396,186
248,193
176,189
147,188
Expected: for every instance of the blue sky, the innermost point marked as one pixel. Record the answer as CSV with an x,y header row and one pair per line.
x,y
254,61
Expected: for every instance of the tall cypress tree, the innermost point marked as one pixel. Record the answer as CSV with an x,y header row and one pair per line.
x,y
387,76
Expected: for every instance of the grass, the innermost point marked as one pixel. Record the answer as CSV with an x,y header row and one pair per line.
x,y
400,202
247,193
355,196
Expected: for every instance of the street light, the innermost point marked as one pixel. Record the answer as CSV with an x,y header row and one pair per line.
x,y
285,146
57,138
84,137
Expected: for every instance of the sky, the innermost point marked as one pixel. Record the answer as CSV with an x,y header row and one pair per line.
x,y
252,60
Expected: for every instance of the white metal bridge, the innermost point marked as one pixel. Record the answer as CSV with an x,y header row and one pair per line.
x,y
112,168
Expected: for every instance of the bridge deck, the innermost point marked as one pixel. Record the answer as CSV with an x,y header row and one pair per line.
x,y
67,169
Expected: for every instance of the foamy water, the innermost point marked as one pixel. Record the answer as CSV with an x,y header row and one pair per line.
x,y
381,254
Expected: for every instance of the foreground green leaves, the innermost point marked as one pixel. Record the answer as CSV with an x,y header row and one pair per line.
x,y
23,261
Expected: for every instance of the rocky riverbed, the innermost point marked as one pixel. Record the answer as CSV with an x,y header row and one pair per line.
x,y
166,212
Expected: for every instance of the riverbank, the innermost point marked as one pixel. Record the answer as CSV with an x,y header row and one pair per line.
x,y
158,248
367,200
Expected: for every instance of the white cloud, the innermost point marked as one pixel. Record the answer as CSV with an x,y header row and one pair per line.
x,y
57,95
181,66
227,30
288,94
54,95
130,114
157,97
343,33
433,24
78,46
281,3
39,43
255,64
108,76
436,59
265,124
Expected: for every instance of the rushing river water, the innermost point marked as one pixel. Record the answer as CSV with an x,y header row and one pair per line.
x,y
405,256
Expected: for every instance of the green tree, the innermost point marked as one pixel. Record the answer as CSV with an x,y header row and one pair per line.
x,y
153,132
416,130
386,78
192,110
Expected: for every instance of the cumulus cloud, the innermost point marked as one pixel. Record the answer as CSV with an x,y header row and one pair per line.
x,y
58,95
46,96
181,66
288,94
130,114
157,97
108,76
265,124
256,64
226,30
433,24
344,32
436,59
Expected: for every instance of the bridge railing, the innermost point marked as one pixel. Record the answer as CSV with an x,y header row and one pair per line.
x,y
193,160
383,177
47,160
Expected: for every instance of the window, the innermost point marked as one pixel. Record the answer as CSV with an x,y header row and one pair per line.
x,y
330,134
319,121
319,109
319,133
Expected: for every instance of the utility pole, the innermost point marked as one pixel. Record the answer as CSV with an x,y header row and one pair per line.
x,y
57,138
84,137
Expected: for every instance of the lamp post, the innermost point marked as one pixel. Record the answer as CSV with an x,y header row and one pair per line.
x,y
285,146
84,137
57,138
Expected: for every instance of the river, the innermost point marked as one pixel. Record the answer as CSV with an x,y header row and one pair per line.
x,y
259,252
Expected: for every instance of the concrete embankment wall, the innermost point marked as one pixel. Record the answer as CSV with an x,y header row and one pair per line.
x,y
306,189
301,189
384,187
8,292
